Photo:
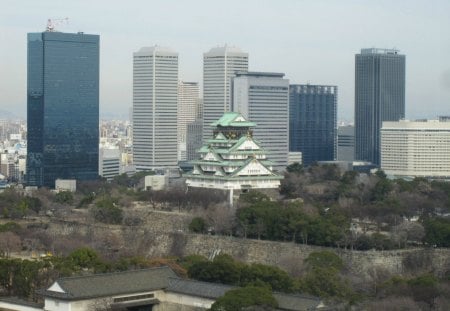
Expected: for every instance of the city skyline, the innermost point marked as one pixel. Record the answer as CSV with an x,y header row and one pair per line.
x,y
317,48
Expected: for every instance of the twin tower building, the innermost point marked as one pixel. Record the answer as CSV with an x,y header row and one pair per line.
x,y
227,86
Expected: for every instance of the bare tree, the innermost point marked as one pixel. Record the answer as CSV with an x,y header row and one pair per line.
x,y
9,242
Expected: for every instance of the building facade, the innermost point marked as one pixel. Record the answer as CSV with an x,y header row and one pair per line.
x,y
188,102
263,97
155,90
62,107
379,97
193,139
312,121
219,66
416,149
109,163
346,143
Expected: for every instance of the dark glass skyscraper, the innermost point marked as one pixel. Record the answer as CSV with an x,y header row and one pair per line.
x,y
312,121
63,107
379,96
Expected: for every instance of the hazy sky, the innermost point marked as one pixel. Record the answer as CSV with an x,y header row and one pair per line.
x,y
310,40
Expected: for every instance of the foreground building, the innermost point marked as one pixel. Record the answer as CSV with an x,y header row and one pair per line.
x,y
416,149
62,107
232,159
379,97
155,91
157,289
312,121
263,97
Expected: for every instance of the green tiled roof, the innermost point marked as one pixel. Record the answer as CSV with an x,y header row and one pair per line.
x,y
228,119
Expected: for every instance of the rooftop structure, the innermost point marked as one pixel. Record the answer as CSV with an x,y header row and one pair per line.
x,y
146,289
232,159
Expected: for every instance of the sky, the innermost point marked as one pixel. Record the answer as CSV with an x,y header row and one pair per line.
x,y
311,41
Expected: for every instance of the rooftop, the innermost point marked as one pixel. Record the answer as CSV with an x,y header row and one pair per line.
x,y
156,49
259,74
111,284
234,119
379,51
226,49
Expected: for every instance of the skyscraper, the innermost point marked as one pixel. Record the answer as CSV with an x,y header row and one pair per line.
x,y
62,107
155,88
379,96
263,97
219,66
312,121
187,113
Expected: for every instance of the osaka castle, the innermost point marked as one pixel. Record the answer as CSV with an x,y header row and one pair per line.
x,y
232,159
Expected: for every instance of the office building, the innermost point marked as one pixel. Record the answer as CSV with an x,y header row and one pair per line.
x,y
416,149
155,89
188,101
109,163
63,107
219,66
263,97
312,121
379,97
346,143
193,139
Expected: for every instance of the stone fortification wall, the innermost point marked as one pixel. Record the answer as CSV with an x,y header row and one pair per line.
x,y
167,235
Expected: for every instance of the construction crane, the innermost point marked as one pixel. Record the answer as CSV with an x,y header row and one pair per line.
x,y
52,23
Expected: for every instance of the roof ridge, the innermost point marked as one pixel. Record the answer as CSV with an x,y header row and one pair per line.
x,y
110,273
204,282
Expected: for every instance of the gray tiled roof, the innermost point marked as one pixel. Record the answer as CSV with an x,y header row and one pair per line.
x,y
197,288
110,284
295,302
288,302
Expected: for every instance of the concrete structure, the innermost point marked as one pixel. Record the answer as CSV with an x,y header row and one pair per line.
x,y
188,101
156,182
62,107
295,157
312,121
193,139
232,159
263,97
109,163
346,143
416,149
219,66
66,185
155,88
379,97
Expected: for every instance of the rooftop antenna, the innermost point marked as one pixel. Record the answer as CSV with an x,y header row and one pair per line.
x,y
52,23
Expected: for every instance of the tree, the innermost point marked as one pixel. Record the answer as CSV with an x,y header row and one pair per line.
x,y
198,225
107,211
9,242
64,197
437,231
237,299
324,259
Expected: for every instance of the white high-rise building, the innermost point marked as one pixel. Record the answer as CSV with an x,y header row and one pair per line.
x,y
416,149
263,97
219,66
155,88
187,112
